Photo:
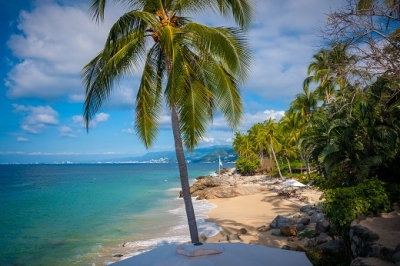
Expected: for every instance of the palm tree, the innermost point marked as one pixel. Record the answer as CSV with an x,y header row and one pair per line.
x,y
330,70
195,68
270,129
242,145
258,138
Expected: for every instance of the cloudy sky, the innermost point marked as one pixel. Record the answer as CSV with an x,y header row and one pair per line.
x,y
45,44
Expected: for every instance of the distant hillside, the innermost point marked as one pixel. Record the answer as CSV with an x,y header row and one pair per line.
x,y
202,155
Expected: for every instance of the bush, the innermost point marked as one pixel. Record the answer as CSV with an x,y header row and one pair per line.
x,y
393,192
247,165
343,205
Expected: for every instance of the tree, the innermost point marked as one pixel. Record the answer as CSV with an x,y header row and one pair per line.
x,y
195,68
330,71
369,29
270,128
257,136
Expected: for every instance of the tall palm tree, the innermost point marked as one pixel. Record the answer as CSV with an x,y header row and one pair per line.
x,y
195,68
330,70
257,135
270,129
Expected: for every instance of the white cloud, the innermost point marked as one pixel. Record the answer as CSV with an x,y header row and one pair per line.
x,y
207,140
128,131
101,117
66,132
36,119
52,52
22,139
55,43
98,118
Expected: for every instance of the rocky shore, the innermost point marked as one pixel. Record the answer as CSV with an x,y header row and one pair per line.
x,y
261,210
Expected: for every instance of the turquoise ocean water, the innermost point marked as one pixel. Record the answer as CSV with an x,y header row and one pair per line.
x,y
84,214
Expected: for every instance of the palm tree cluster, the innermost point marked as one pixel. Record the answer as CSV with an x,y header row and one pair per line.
x,y
348,132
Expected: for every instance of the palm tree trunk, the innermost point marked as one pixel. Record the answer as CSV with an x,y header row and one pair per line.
x,y
290,168
276,161
184,177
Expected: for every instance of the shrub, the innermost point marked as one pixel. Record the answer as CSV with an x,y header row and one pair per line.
x,y
247,165
343,205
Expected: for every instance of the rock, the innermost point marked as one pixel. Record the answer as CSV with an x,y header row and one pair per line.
x,y
306,208
289,230
320,208
286,247
300,227
322,226
386,253
397,249
322,238
311,212
242,231
280,221
331,246
316,217
396,257
360,261
118,255
276,232
305,220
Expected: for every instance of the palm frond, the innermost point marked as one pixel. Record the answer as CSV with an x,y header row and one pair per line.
x,y
148,100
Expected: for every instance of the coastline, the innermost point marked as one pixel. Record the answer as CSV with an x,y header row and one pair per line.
x,y
225,216
251,212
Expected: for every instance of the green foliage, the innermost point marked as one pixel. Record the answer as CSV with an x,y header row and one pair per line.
x,y
343,205
338,258
248,165
393,192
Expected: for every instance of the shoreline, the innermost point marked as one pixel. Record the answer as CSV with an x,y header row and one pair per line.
x,y
231,214
251,212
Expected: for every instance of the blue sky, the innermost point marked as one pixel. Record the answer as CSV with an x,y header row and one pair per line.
x,y
45,44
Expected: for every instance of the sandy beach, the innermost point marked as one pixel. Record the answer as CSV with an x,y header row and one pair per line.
x,y
253,211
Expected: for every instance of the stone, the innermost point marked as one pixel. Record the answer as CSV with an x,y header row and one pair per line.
x,y
397,249
280,221
323,238
118,255
305,220
320,208
300,227
386,253
242,231
276,232
322,226
286,247
306,208
332,246
311,213
289,230
316,217
360,261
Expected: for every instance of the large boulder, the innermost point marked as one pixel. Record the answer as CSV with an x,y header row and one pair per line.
x,y
280,221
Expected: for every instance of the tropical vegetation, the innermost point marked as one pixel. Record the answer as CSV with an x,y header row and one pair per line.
x,y
189,68
343,129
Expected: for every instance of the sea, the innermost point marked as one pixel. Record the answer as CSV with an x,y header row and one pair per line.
x,y
91,214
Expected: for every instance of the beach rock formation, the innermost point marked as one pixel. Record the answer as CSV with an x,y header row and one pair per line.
x,y
222,187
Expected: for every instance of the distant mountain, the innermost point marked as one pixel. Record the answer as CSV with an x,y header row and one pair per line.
x,y
202,155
